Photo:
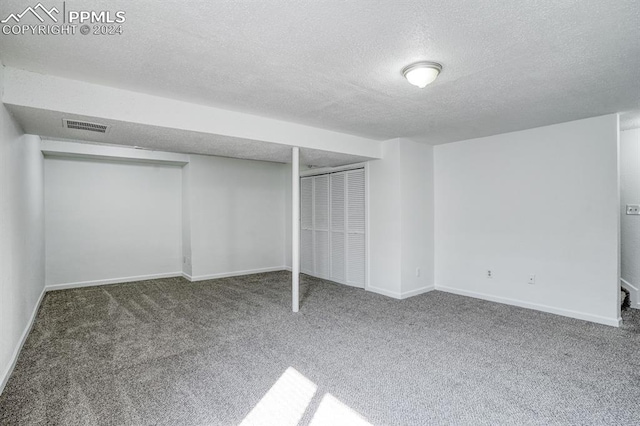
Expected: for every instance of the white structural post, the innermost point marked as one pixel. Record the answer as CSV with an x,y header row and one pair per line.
x,y
295,228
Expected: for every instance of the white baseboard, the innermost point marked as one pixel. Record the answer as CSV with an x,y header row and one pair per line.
x,y
634,293
417,291
398,295
64,286
234,274
384,292
16,352
192,278
614,322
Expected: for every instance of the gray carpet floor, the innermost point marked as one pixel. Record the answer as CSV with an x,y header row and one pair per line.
x,y
172,352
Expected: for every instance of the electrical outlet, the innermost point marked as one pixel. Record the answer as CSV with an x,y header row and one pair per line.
x,y
417,272
633,209
489,273
532,279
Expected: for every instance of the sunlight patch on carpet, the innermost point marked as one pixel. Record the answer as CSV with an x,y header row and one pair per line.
x,y
285,403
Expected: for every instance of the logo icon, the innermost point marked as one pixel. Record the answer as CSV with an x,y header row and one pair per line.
x,y
34,11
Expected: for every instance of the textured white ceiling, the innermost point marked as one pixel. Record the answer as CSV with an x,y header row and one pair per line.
x,y
49,124
335,64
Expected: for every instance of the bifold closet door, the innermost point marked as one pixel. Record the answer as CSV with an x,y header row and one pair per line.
x,y
321,225
332,227
306,225
338,229
356,225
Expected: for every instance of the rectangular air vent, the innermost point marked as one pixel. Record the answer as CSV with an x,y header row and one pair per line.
x,y
85,125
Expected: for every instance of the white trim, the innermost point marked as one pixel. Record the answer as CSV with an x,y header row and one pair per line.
x,y
618,218
417,291
634,293
614,322
23,339
329,170
344,283
384,292
367,227
237,273
295,229
76,149
401,296
53,287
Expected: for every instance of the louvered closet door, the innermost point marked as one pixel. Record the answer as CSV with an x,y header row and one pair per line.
x,y
338,243
306,225
356,245
321,225
332,227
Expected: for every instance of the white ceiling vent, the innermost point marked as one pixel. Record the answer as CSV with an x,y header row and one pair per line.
x,y
85,125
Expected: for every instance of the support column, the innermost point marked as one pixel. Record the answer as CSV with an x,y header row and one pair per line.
x,y
295,228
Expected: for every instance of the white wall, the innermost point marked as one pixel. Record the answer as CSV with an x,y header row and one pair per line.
x,y
401,219
417,216
120,218
237,216
542,201
630,224
21,236
385,238
109,221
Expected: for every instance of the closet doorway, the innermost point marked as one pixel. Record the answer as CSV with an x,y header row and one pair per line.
x,y
333,221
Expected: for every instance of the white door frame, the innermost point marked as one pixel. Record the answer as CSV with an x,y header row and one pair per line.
x,y
329,170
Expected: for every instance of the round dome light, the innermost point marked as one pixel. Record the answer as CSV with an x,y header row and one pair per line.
x,y
422,73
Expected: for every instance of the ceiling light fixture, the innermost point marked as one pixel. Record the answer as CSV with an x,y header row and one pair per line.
x,y
422,73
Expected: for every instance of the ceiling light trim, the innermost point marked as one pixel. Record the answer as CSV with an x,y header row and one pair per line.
x,y
422,65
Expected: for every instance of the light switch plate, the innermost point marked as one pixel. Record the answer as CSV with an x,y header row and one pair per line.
x,y
633,209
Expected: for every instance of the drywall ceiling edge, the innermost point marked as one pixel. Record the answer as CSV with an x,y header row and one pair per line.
x,y
28,89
